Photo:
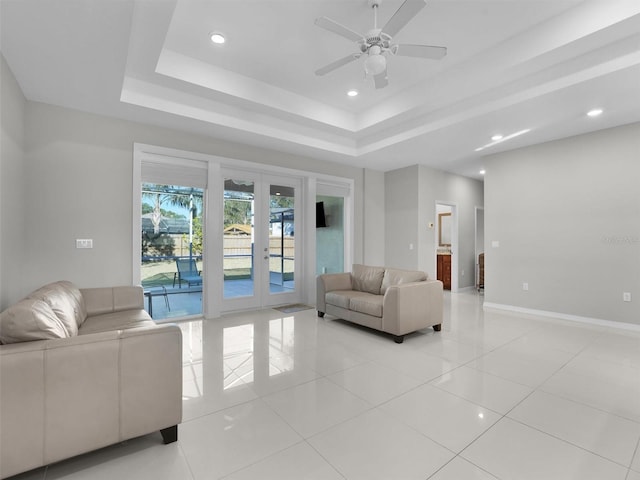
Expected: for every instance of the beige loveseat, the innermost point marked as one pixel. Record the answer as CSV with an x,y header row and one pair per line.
x,y
386,299
83,369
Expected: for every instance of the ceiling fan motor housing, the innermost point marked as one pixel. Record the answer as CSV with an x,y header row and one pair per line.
x,y
375,37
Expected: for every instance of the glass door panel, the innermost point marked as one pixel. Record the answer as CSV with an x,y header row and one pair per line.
x,y
238,238
281,239
172,243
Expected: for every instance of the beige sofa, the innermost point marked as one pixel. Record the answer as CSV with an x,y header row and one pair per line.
x,y
83,369
386,299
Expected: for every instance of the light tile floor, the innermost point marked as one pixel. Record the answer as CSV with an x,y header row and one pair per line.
x,y
492,396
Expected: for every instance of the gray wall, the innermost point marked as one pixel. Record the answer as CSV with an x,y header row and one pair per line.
x,y
12,185
374,217
401,193
566,215
77,173
411,194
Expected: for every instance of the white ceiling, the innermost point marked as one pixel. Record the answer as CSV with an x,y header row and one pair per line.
x,y
511,65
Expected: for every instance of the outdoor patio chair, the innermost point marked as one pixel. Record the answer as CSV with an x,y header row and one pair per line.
x,y
187,272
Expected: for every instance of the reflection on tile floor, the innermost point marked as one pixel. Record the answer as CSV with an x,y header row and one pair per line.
x,y
492,396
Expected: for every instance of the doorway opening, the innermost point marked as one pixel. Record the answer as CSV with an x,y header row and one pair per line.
x,y
447,245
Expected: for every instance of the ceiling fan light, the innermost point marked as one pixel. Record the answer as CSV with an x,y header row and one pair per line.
x,y
375,64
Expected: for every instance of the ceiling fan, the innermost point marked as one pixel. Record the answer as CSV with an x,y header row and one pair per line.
x,y
377,44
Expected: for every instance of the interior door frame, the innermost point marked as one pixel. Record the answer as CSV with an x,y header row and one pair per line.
x,y
454,242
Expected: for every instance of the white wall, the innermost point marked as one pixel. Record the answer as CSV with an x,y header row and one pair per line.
x,y
401,218
78,177
411,195
12,185
567,218
466,194
374,218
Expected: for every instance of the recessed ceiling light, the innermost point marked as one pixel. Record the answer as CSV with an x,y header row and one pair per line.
x,y
482,172
217,38
595,112
495,138
352,93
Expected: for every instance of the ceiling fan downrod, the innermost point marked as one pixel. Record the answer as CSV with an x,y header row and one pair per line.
x,y
375,4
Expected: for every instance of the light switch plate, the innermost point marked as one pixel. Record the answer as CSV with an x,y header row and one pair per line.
x,y
84,243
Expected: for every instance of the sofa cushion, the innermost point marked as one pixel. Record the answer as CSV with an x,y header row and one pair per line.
x,y
368,304
367,279
28,320
122,320
66,301
342,298
394,276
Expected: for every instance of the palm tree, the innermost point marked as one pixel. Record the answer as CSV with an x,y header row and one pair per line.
x,y
169,194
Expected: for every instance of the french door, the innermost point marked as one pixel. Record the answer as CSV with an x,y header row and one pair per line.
x,y
261,240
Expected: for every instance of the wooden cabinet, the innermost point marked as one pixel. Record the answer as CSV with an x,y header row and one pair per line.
x,y
444,270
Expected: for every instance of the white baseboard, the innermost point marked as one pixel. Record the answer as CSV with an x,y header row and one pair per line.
x,y
562,316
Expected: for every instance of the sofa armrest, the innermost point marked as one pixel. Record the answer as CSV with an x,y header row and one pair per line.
x,y
112,299
64,397
412,306
150,379
328,282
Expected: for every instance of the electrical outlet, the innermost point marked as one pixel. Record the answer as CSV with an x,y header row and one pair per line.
x,y
626,296
525,286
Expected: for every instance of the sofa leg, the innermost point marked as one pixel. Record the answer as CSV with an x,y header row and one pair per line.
x,y
320,314
169,435
438,327
398,338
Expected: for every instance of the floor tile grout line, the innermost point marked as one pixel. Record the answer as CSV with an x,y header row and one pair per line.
x,y
568,443
186,460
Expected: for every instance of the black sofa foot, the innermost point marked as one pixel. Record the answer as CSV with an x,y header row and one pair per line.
x,y
438,327
398,338
320,314
169,435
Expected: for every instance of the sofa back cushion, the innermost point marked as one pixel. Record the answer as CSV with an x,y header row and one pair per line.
x,y
67,303
367,279
30,319
394,276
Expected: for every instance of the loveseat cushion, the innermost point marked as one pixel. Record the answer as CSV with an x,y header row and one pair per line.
x,y
30,319
367,279
368,304
342,298
67,303
394,276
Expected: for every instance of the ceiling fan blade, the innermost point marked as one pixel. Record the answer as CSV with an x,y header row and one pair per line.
x,y
420,51
406,12
381,80
341,30
337,64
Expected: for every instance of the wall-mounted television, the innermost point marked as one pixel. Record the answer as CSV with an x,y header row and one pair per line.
x,y
321,221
